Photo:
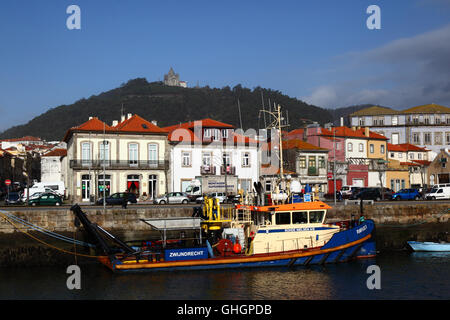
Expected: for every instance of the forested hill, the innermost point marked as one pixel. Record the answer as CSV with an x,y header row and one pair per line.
x,y
169,105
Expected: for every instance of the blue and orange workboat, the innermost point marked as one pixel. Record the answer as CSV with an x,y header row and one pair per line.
x,y
248,236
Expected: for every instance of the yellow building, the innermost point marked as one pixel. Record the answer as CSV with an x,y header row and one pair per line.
x,y
397,175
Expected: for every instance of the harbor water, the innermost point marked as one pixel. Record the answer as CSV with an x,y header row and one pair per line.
x,y
403,275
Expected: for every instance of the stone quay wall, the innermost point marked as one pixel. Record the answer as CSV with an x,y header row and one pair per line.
x,y
395,224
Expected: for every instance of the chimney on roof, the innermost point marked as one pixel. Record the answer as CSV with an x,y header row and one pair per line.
x,y
129,116
155,122
354,128
366,131
122,118
342,121
115,123
90,118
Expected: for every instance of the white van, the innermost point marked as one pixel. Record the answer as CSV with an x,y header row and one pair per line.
x,y
438,193
56,187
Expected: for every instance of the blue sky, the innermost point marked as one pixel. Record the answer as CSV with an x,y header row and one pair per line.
x,y
318,51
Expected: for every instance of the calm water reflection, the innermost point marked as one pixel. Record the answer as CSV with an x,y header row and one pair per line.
x,y
403,276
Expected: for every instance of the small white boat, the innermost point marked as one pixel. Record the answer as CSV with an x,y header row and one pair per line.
x,y
429,246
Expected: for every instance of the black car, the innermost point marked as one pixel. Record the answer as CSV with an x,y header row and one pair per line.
x,y
387,193
119,198
367,194
13,198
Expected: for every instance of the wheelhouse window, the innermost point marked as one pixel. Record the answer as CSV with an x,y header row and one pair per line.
x,y
316,216
299,217
283,218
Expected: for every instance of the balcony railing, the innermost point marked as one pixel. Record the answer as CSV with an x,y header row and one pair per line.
x,y
119,164
205,170
228,170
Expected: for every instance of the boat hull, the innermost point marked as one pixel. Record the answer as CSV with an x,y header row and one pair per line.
x,y
429,246
346,245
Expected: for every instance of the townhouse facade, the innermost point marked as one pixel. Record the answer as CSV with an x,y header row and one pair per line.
x,y
425,126
308,162
357,157
54,165
129,156
415,158
210,148
439,168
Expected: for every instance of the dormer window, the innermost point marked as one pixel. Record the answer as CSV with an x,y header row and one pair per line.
x,y
224,133
207,133
216,134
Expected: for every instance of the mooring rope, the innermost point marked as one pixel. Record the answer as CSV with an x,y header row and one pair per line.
x,y
5,216
47,232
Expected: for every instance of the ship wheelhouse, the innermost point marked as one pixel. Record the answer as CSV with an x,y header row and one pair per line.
x,y
287,227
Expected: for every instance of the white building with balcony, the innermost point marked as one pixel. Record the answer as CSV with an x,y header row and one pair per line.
x,y
130,156
209,147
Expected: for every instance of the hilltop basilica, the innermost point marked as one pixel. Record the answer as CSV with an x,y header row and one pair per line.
x,y
173,79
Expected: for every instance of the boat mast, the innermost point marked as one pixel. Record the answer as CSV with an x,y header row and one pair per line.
x,y
277,115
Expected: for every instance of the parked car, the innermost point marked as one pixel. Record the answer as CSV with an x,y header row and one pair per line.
x,y
407,194
13,198
438,193
219,195
346,191
119,198
172,197
367,194
386,193
46,199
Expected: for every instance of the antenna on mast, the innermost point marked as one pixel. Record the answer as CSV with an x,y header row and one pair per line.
x,y
240,118
264,114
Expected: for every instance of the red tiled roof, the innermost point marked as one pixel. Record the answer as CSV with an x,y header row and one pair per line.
x,y
204,123
186,131
301,145
294,144
93,124
133,124
296,133
138,124
423,162
56,153
349,132
26,138
405,147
